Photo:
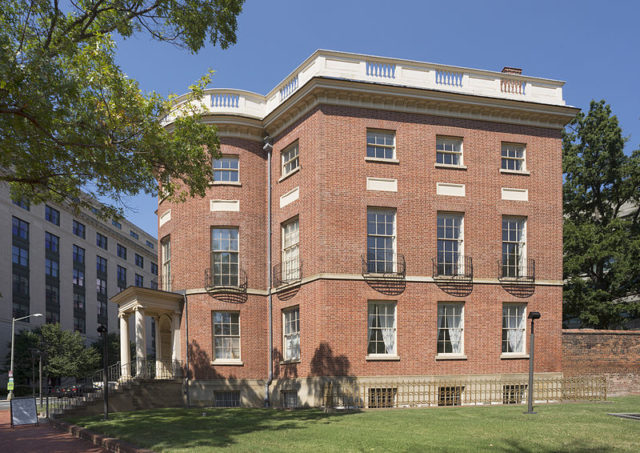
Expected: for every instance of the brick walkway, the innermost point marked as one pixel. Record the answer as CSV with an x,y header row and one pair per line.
x,y
41,438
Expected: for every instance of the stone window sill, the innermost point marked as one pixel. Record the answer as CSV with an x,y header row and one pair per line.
x,y
227,362
292,172
514,172
514,356
289,362
451,357
226,183
382,358
381,160
451,167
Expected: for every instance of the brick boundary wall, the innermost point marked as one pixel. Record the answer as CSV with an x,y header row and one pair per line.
x,y
614,353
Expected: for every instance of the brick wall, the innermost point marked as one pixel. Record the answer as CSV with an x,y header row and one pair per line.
x,y
614,353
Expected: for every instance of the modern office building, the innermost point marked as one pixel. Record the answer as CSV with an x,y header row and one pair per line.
x,y
66,266
371,218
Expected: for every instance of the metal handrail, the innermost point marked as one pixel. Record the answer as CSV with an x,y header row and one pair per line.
x,y
287,273
518,274
394,268
461,270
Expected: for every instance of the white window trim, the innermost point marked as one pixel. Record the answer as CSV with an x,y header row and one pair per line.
x,y
284,163
394,237
523,170
515,355
450,139
451,355
523,256
286,359
393,157
460,240
217,361
166,263
220,227
289,248
385,356
227,183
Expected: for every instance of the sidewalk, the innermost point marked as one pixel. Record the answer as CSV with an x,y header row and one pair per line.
x,y
39,438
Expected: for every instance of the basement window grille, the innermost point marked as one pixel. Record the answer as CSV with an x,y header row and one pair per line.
x,y
227,399
382,397
513,393
450,396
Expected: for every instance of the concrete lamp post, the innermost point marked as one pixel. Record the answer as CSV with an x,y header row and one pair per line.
x,y
13,331
102,330
532,316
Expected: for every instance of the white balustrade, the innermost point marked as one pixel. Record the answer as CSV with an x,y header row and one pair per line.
x,y
289,88
346,66
450,78
384,70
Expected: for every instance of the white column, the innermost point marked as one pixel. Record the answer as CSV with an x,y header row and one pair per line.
x,y
175,339
159,364
141,344
125,355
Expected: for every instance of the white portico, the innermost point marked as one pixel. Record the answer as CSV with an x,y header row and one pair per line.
x,y
134,303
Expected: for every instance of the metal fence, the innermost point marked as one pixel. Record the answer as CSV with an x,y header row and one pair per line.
x,y
357,394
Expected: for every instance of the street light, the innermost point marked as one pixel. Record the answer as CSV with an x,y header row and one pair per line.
x,y
532,316
13,329
102,330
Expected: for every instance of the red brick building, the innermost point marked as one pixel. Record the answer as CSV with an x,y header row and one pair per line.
x,y
414,217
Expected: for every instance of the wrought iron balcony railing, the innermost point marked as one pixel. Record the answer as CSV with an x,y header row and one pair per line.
x,y
217,281
521,271
460,270
287,272
382,265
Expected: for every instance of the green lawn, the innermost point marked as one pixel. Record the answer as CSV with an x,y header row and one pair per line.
x,y
558,427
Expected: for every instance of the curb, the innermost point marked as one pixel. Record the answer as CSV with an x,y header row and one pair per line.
x,y
111,444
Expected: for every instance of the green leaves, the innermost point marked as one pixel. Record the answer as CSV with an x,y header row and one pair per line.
x,y
70,118
601,247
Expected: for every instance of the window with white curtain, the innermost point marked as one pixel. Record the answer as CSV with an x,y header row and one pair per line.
x,y
226,335
514,241
513,328
450,328
291,333
382,328
290,250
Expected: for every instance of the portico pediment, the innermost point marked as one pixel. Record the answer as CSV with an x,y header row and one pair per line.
x,y
152,301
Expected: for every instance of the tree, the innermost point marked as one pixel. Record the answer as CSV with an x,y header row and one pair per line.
x,y
69,116
65,353
601,247
113,346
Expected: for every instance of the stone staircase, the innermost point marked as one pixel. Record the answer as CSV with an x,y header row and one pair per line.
x,y
134,395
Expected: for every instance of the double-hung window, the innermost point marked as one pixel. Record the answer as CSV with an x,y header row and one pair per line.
x,y
290,251
513,157
381,240
450,244
224,256
513,328
450,329
51,242
20,256
226,169
78,278
101,265
139,260
290,159
51,268
449,151
166,264
52,215
78,255
122,251
514,247
78,229
291,333
382,329
226,335
381,145
101,241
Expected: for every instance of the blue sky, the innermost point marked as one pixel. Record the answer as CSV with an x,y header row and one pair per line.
x,y
592,45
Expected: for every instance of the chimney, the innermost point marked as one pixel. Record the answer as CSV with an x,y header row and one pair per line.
x,y
509,70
